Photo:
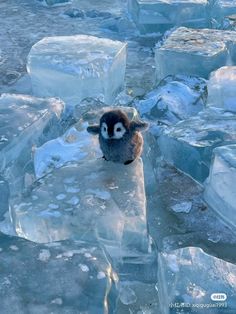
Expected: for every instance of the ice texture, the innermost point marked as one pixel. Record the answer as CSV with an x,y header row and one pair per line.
x,y
189,144
54,2
76,67
97,199
159,15
175,99
222,88
74,145
63,277
190,277
4,197
195,52
222,9
25,122
220,192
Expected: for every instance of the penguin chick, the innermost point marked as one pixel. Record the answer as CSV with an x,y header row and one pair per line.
x,y
120,139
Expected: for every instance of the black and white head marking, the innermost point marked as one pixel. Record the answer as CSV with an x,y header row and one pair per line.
x,y
114,124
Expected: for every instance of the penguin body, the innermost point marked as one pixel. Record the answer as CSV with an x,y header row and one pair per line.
x,y
120,139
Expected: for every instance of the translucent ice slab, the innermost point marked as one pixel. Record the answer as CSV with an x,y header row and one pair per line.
x,y
175,99
193,281
64,277
160,15
220,192
96,198
195,52
25,121
188,145
222,88
76,67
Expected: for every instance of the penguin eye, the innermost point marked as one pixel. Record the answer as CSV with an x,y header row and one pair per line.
x,y
104,129
118,129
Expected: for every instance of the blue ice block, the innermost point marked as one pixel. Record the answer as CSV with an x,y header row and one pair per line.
x,y
220,192
76,67
159,15
62,277
189,144
195,52
195,282
25,122
222,88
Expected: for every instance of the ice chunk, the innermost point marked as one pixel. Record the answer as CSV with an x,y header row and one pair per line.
x,y
195,52
189,278
160,15
188,145
220,191
96,198
183,207
222,88
175,99
59,278
76,67
223,8
54,2
4,196
25,121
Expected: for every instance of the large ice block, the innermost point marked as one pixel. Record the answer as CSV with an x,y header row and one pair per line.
x,y
63,277
76,67
222,88
189,144
25,122
96,198
175,99
195,52
159,15
220,192
195,282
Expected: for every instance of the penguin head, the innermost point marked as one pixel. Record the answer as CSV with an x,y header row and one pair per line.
x,y
115,124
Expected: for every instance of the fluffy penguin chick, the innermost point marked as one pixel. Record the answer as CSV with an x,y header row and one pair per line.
x,y
120,139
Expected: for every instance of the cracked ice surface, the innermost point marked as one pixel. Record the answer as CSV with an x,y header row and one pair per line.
x,y
55,278
25,122
190,276
176,98
91,199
